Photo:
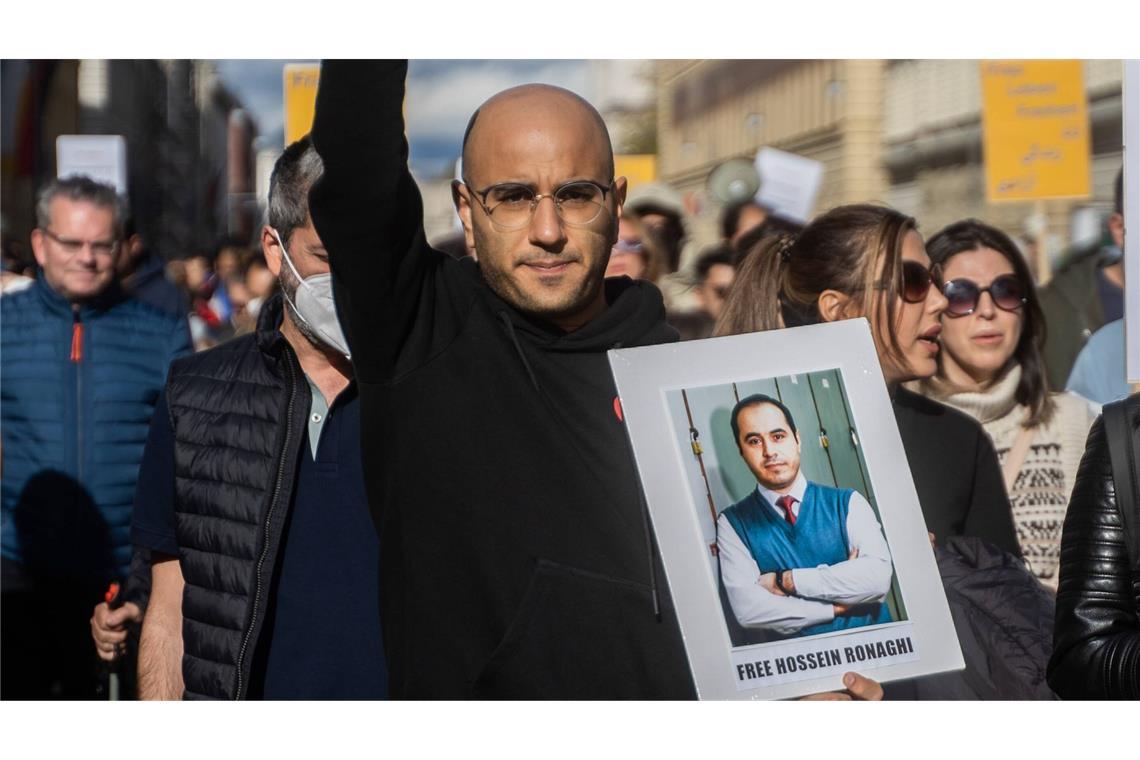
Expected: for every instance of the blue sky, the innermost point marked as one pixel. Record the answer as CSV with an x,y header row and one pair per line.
x,y
441,97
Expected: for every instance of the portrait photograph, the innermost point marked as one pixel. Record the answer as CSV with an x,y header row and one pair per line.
x,y
784,510
793,532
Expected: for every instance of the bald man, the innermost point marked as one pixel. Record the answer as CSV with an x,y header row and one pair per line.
x,y
516,555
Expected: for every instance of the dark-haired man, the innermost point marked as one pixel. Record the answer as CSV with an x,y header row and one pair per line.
x,y
1086,293
251,499
797,557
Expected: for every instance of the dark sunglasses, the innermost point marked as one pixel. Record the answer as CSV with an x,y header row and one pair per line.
x,y
917,279
963,295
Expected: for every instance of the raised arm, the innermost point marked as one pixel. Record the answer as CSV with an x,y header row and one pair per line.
x,y
369,215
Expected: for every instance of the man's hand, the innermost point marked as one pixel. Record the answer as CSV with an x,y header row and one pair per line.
x,y
859,689
109,628
840,609
767,581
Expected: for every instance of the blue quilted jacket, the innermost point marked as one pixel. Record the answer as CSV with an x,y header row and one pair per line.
x,y
77,391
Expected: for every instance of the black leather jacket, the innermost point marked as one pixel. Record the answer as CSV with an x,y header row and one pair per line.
x,y
1096,648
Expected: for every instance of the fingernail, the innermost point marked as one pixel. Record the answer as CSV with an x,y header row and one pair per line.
x,y
849,679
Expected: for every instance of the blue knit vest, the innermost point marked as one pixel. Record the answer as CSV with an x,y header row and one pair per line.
x,y
819,537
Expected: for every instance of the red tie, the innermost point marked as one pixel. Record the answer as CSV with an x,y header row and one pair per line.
x,y
785,503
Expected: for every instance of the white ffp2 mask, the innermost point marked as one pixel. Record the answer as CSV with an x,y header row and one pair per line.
x,y
314,304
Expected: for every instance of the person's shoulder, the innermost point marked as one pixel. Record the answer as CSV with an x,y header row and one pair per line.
x,y
1077,262
748,499
222,354
1109,337
949,419
1073,409
19,303
143,313
828,488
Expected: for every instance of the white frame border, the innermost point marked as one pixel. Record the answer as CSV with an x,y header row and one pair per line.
x,y
644,375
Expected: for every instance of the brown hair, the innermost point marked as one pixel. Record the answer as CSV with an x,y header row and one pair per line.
x,y
851,249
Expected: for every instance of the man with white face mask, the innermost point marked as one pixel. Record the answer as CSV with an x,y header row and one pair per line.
x,y
251,496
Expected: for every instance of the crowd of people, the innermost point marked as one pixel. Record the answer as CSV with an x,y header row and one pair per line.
x,y
197,454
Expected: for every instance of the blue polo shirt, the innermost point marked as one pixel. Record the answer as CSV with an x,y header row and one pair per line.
x,y
321,638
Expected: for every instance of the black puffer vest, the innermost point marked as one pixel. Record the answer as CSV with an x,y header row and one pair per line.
x,y
238,413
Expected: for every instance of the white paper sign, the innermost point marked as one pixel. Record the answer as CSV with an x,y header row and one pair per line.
x,y
801,660
719,540
1132,217
100,157
789,183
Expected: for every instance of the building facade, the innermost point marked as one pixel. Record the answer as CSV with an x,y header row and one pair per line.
x,y
905,133
189,165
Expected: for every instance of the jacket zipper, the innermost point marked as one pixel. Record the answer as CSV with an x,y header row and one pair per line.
x,y
77,360
238,692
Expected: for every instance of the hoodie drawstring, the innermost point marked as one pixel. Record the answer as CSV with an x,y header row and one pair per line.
x,y
518,348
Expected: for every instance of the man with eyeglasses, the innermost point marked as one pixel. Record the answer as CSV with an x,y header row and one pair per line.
x,y
517,556
83,365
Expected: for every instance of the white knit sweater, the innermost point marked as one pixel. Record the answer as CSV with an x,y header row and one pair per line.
x,y
1040,493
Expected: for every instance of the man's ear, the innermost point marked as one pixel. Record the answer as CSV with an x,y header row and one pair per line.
x,y
271,249
461,197
38,245
833,305
621,186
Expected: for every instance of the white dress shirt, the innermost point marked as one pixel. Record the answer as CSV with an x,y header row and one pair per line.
x,y
866,578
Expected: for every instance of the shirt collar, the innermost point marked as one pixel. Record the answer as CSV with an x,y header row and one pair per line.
x,y
797,493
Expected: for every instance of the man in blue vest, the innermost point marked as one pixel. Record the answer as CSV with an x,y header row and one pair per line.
x,y
797,558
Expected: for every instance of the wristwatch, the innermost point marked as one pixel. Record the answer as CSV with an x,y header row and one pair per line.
x,y
780,582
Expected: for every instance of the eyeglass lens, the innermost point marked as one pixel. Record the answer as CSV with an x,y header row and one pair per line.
x,y
916,281
72,247
511,206
964,295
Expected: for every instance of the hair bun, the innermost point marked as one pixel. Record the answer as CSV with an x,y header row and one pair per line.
x,y
784,248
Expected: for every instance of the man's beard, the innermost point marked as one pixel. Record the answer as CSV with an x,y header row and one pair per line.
x,y
289,284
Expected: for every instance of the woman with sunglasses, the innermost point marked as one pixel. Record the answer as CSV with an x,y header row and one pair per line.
x,y
869,261
991,368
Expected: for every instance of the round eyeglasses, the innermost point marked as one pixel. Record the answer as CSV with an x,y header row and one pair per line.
x,y
964,295
511,206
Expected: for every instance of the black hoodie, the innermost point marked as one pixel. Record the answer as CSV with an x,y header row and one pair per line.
x,y
516,555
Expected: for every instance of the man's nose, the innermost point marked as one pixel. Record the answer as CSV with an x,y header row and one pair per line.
x,y
546,229
86,254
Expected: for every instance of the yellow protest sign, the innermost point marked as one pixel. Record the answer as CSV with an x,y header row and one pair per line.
x,y
300,99
1035,130
636,168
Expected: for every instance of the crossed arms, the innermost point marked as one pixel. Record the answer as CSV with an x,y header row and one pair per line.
x,y
821,592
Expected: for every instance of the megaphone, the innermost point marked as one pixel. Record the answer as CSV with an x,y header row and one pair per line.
x,y
733,181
